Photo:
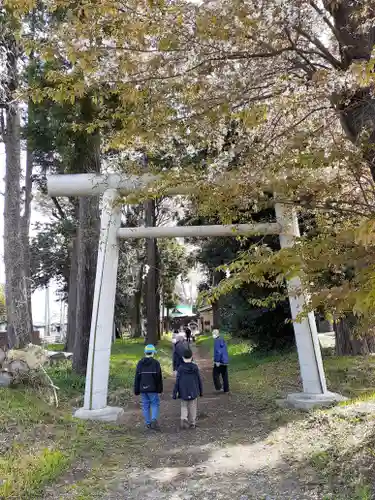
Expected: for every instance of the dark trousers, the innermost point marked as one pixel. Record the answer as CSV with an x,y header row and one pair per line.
x,y
221,371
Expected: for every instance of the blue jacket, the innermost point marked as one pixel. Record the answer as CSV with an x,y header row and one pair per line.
x,y
188,384
221,351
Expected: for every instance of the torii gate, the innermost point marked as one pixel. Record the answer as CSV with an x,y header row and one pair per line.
x,y
113,186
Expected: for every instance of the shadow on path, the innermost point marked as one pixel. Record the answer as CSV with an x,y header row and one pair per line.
x,y
235,453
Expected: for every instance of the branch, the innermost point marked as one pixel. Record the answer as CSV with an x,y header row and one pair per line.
x,y
325,19
59,209
323,51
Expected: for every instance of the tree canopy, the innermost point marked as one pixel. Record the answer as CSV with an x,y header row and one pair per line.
x,y
294,78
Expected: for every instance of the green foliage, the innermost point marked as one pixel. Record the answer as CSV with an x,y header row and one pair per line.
x,y
174,263
50,253
290,93
268,329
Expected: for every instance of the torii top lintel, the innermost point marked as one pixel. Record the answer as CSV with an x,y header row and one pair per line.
x,y
95,184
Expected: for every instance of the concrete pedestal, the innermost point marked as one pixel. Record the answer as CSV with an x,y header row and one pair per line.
x,y
107,414
306,402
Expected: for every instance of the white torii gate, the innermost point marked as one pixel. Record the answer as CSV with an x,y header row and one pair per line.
x,y
113,186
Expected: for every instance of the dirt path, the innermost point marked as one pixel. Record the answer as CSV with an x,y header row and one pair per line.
x,y
243,449
235,453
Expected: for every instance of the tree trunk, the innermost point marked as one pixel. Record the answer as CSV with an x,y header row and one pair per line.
x,y
18,315
347,344
87,159
25,229
158,294
167,321
136,309
215,315
216,305
72,296
355,32
88,236
151,280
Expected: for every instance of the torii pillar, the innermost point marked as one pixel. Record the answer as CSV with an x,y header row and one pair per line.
x,y
113,186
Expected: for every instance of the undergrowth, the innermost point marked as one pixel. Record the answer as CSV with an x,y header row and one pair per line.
x,y
38,443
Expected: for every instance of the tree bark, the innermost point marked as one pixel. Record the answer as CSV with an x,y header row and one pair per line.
x,y
87,159
72,296
136,309
347,344
18,314
356,108
216,305
88,235
158,294
25,229
215,315
151,280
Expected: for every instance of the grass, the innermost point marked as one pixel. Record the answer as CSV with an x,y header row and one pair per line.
x,y
272,376
39,443
267,378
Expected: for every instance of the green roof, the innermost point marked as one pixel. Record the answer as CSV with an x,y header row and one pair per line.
x,y
181,310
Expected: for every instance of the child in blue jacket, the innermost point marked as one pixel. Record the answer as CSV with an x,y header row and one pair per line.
x,y
221,361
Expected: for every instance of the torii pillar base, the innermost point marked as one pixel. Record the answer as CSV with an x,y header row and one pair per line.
x,y
304,401
107,414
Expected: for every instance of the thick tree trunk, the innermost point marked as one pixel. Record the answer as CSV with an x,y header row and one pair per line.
x,y
355,32
88,236
136,315
72,296
167,320
87,159
136,309
216,305
347,344
215,315
158,295
25,229
18,314
151,280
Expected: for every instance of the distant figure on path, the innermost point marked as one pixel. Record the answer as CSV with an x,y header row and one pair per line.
x,y
187,388
221,361
178,353
188,334
148,383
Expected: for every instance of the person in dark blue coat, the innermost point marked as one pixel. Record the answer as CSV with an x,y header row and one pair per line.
x,y
178,352
148,383
221,362
188,387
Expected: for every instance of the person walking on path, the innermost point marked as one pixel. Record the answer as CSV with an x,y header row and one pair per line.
x,y
178,352
188,387
221,361
148,383
188,334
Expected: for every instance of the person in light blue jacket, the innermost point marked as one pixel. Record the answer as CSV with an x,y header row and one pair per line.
x,y
221,362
